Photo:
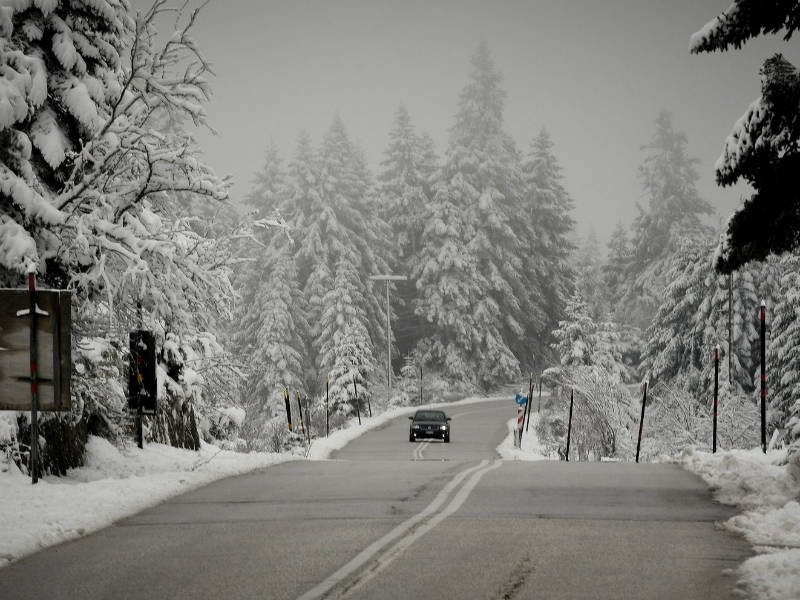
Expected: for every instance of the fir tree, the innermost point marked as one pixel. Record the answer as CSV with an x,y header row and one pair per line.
x,y
481,189
404,185
615,269
346,350
763,147
576,336
674,211
549,271
783,356
589,276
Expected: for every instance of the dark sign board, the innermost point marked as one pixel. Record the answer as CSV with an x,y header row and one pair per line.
x,y
142,385
54,359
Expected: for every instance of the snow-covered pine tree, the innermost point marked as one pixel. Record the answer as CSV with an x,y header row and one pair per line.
x,y
615,269
482,184
107,219
403,186
576,336
693,319
339,222
448,284
551,223
763,147
783,350
405,191
346,351
269,183
587,266
276,321
61,78
668,176
671,352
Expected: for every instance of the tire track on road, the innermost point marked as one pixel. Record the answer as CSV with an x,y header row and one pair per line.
x,y
388,547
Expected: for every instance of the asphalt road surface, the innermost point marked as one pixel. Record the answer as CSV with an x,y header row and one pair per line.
x,y
391,519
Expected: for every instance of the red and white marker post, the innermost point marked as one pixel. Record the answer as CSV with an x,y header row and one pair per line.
x,y
764,376
716,397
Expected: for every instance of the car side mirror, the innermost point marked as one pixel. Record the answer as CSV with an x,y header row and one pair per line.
x,y
449,419
410,418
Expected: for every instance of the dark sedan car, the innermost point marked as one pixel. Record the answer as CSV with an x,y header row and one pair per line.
x,y
429,424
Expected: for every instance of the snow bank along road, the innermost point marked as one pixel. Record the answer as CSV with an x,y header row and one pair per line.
x,y
391,519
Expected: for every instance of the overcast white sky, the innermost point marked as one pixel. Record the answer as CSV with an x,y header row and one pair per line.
x,y
595,74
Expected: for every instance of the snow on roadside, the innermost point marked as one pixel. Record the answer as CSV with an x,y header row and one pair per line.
x,y
322,448
530,448
760,485
113,484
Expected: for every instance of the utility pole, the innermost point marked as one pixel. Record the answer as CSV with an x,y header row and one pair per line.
x,y
387,278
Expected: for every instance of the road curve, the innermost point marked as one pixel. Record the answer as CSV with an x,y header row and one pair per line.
x,y
391,519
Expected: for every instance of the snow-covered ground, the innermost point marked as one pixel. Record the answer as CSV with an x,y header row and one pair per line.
x,y
116,483
530,448
769,496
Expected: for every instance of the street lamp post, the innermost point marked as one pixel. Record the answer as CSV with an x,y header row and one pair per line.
x,y
387,278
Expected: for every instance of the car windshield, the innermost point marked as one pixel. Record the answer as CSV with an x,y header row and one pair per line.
x,y
429,415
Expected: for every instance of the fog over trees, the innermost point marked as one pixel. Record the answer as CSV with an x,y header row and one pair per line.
x,y
104,191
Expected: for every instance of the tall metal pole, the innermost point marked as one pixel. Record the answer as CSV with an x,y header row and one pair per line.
x,y
716,396
387,279
34,455
764,376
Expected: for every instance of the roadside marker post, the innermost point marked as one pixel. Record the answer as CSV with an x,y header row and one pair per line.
x,y
288,407
308,420
358,406
300,414
528,405
569,423
539,409
327,408
764,376
641,422
716,397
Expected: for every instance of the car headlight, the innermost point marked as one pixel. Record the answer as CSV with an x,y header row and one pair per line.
x,y
444,428
415,427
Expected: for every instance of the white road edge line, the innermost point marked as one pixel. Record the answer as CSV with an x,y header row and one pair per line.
x,y
370,551
403,544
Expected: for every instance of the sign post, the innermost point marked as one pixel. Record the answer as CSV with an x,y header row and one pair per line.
x,y
142,383
35,359
34,457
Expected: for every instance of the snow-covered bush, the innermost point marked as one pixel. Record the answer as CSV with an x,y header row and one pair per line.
x,y
603,418
676,419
